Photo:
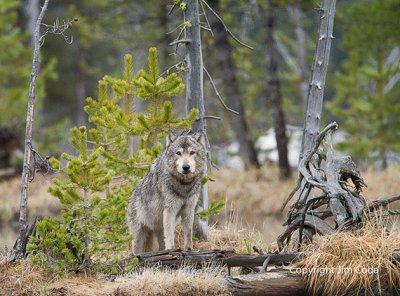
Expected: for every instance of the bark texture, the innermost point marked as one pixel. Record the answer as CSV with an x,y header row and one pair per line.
x,y
194,96
274,90
277,283
319,69
226,68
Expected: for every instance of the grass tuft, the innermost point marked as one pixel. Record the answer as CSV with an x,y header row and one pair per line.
x,y
357,262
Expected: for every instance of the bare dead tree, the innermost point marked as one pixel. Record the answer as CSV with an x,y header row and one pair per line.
x,y
319,69
316,92
194,95
19,249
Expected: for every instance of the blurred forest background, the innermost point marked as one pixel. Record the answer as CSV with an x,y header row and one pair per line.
x,y
362,89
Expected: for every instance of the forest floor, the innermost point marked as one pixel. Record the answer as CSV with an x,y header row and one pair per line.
x,y
250,217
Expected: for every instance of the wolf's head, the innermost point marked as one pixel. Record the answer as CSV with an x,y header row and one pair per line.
x,y
186,155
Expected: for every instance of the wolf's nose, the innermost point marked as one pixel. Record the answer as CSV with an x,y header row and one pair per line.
x,y
186,168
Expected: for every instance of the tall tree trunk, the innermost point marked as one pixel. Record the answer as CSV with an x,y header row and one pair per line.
x,y
194,96
298,18
318,76
226,68
317,82
274,90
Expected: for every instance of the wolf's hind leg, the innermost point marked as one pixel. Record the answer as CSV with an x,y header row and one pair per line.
x,y
140,241
150,243
160,239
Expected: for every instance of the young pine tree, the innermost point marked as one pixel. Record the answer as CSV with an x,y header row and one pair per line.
x,y
97,182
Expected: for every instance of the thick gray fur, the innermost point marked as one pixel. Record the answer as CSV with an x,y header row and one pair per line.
x,y
167,193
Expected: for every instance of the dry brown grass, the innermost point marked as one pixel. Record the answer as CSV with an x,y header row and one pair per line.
x,y
252,202
255,196
25,279
354,263
22,278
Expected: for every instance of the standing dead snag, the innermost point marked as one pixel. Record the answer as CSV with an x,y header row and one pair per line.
x,y
194,95
318,76
313,113
19,250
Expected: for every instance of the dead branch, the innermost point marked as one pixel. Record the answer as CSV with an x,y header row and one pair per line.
x,y
376,204
211,117
225,26
217,93
206,18
179,41
172,9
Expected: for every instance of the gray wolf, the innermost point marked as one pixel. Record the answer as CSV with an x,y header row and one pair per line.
x,y
169,191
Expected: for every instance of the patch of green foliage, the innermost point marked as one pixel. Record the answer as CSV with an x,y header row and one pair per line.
x,y
15,68
214,209
95,184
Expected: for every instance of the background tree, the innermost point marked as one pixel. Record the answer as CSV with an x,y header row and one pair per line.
x,y
226,68
15,66
367,88
274,88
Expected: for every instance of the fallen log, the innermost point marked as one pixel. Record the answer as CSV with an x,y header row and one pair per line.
x,y
176,258
274,283
252,261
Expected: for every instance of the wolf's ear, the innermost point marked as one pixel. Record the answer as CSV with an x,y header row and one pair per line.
x,y
200,137
170,137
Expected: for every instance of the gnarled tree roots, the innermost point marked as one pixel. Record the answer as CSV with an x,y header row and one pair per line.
x,y
325,191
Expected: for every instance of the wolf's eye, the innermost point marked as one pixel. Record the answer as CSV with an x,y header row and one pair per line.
x,y
179,153
192,153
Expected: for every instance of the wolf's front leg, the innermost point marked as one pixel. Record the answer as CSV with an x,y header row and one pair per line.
x,y
187,223
169,218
